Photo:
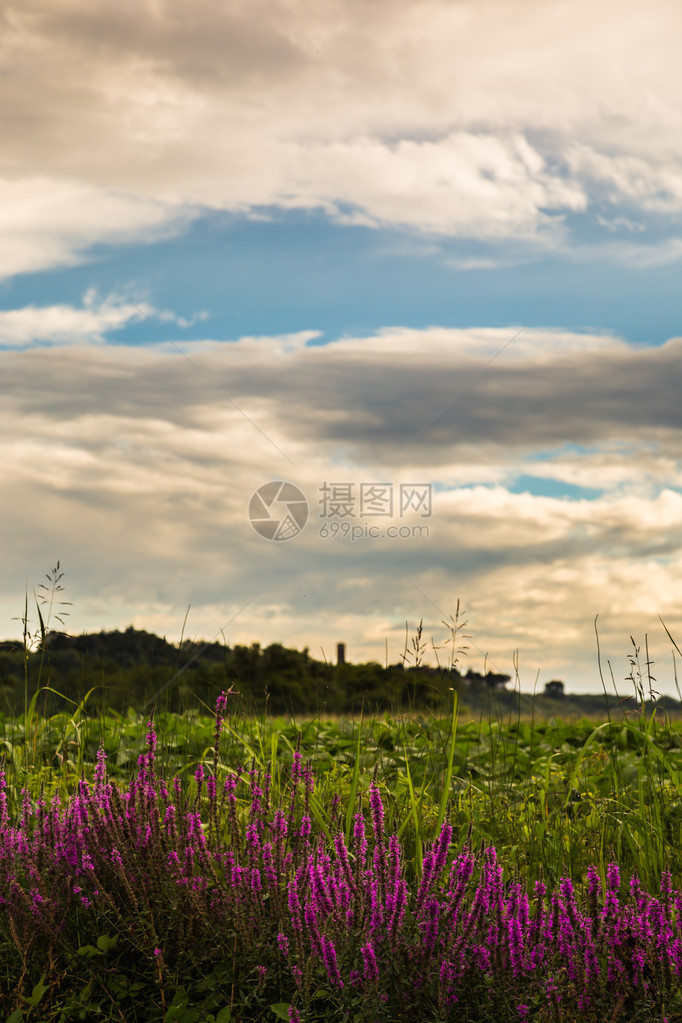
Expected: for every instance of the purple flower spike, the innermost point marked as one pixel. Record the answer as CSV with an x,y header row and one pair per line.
x,y
151,737
101,769
220,708
329,959
613,877
4,815
371,970
377,808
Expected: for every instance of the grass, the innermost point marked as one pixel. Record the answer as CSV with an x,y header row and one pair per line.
x,y
552,797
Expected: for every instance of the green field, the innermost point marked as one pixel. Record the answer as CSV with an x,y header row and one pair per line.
x,y
552,796
211,865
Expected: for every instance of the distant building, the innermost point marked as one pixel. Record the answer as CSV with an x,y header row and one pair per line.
x,y
340,653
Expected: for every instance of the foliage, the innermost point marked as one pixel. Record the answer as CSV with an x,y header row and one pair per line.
x,y
280,895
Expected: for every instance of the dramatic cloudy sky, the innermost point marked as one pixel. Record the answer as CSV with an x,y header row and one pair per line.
x,y
416,243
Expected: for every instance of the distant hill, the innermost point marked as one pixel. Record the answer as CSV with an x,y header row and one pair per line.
x,y
138,669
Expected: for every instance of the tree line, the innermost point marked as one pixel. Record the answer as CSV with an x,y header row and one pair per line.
x,y
134,668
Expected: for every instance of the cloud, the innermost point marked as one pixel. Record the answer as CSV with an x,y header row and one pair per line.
x,y
133,469
67,325
469,119
48,223
423,392
463,184
653,185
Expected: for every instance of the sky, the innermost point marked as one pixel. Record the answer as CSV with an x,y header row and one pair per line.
x,y
318,319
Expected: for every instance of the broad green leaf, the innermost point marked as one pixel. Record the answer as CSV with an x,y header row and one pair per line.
x,y
89,951
37,993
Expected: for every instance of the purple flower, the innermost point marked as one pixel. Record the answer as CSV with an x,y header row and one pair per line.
x,y
329,959
151,738
308,778
230,785
371,970
377,809
256,881
313,929
343,860
279,824
220,709
101,769
515,938
4,815
612,877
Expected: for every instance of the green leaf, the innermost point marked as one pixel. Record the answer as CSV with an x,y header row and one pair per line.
x,y
178,1011
89,951
16,1017
280,1009
415,816
105,942
318,813
225,1015
352,797
179,998
37,993
445,795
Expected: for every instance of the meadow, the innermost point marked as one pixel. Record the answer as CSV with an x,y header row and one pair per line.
x,y
214,866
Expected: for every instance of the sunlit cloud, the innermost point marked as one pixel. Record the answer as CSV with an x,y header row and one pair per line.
x,y
47,222
472,120
137,473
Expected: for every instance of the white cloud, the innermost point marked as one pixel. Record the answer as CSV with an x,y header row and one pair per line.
x,y
48,223
463,184
473,119
653,185
67,325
